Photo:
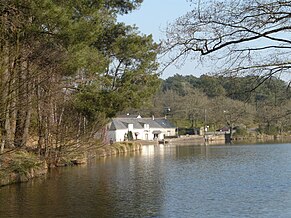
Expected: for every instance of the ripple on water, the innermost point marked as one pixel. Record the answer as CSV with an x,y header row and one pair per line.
x,y
168,181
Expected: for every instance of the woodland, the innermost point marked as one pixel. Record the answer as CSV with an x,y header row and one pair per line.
x,y
247,44
67,67
217,102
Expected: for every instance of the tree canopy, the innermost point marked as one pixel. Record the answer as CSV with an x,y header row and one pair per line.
x,y
220,101
68,66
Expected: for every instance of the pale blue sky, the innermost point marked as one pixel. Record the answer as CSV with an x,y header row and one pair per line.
x,y
152,18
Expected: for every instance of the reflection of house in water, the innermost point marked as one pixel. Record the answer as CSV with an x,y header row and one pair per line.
x,y
138,128
150,150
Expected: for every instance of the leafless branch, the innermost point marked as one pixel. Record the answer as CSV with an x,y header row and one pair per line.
x,y
246,35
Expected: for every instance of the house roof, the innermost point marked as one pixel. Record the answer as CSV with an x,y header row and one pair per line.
x,y
138,123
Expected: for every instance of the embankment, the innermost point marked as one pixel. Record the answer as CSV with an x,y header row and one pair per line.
x,y
197,139
21,166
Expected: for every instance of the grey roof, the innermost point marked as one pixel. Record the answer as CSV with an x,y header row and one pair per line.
x,y
138,123
164,123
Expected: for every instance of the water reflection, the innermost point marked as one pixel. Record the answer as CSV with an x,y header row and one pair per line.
x,y
163,181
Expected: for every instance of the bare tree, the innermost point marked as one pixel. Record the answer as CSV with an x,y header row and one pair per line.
x,y
194,105
241,36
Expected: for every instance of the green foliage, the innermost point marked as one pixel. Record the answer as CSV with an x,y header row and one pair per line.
x,y
207,84
240,131
253,88
67,66
269,129
182,131
176,83
211,86
130,79
249,100
130,137
23,162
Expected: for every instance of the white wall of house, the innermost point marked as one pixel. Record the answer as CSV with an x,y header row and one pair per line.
x,y
147,134
140,134
164,132
117,135
169,131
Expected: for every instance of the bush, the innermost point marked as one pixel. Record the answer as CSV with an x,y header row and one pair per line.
x,y
269,130
22,161
240,131
130,136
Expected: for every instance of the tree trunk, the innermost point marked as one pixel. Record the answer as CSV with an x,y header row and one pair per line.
x,y
28,107
22,104
40,123
7,98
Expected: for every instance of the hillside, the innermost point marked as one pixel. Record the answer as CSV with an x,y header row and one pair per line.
x,y
246,102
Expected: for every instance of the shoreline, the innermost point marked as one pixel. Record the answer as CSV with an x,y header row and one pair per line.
x,y
219,139
22,166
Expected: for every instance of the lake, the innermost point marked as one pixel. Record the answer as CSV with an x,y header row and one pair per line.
x,y
163,181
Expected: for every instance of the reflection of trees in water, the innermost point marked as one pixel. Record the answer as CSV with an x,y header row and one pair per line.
x,y
138,190
185,151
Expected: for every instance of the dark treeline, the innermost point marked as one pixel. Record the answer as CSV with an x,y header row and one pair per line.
x,y
249,88
217,101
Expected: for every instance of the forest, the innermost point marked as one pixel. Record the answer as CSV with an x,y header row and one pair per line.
x,y
249,102
66,67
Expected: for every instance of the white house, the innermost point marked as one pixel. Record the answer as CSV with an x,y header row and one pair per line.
x,y
137,128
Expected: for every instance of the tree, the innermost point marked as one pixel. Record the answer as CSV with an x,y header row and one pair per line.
x,y
195,104
211,86
227,112
246,37
69,56
177,83
129,79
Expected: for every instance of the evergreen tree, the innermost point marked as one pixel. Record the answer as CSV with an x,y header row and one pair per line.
x,y
73,56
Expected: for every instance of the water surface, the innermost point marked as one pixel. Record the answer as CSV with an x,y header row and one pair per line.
x,y
163,181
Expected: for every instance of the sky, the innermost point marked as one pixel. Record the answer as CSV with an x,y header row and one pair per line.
x,y
152,18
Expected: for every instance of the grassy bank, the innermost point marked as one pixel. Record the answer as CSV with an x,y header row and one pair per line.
x,y
20,165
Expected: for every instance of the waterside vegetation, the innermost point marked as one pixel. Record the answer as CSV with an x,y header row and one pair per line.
x,y
21,165
67,67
